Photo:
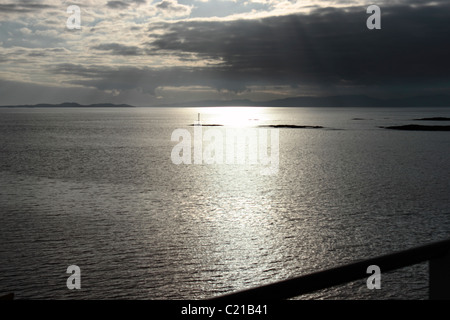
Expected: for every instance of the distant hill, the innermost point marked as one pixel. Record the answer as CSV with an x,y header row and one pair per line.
x,y
331,101
71,105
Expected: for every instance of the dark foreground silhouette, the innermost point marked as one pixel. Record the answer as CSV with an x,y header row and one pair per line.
x,y
9,296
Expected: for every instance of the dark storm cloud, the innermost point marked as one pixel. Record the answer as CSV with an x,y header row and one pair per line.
x,y
330,48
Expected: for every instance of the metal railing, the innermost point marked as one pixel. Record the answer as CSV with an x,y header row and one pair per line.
x,y
438,255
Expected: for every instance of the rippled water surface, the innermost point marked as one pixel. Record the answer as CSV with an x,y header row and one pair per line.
x,y
97,188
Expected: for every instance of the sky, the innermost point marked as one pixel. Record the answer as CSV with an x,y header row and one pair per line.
x,y
147,53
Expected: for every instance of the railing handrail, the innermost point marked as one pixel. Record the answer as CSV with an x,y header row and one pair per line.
x,y
336,276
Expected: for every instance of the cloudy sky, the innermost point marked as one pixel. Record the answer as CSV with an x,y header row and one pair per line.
x,y
145,52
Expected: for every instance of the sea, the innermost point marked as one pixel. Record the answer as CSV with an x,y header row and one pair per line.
x,y
98,188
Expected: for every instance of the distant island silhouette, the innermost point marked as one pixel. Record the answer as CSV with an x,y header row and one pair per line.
x,y
417,127
291,126
207,125
71,105
438,100
434,119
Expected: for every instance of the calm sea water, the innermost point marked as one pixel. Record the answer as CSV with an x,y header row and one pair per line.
x,y
97,188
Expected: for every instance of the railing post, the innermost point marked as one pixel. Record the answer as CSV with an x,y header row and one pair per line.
x,y
440,277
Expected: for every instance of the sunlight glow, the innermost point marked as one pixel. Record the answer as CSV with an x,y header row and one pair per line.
x,y
232,116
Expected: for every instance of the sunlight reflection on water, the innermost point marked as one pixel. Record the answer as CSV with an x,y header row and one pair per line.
x,y
97,188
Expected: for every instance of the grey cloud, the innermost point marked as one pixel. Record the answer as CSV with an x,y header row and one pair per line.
x,y
117,4
41,52
118,49
146,79
163,4
123,4
37,54
171,6
23,7
13,93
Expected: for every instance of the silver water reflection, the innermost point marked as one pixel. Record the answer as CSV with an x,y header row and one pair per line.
x,y
97,188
